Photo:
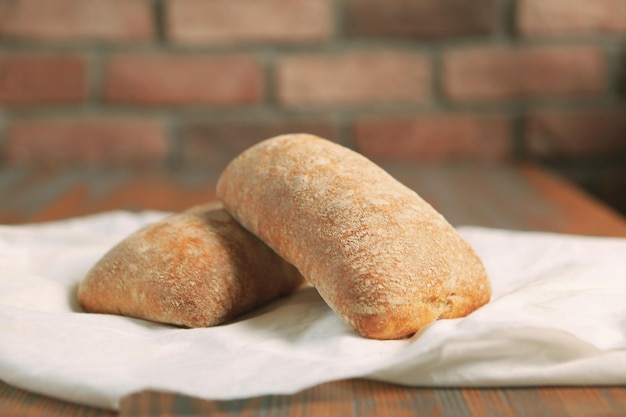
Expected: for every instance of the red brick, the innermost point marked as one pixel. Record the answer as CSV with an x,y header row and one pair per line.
x,y
69,20
233,21
499,73
214,144
27,79
183,80
420,18
353,78
571,17
576,134
84,142
434,137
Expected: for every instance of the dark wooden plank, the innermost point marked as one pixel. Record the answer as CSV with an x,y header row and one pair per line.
x,y
573,211
358,397
15,402
545,401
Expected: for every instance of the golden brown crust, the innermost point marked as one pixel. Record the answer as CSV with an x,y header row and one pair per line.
x,y
196,268
384,260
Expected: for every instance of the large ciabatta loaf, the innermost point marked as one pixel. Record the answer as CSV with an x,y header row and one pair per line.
x,y
383,259
196,268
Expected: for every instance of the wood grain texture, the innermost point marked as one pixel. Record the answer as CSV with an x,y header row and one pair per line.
x,y
15,402
523,198
371,398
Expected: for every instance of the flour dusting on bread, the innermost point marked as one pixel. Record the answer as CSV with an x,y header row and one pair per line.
x,y
383,259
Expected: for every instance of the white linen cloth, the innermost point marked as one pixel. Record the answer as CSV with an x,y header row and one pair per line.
x,y
557,316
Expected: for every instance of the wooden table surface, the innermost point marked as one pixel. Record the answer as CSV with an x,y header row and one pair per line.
x,y
521,198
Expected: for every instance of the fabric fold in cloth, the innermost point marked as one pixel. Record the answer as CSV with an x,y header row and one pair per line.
x,y
557,317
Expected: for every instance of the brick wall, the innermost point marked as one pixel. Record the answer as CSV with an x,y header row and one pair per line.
x,y
193,82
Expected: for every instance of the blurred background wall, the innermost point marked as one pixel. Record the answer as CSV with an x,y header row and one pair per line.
x,y
194,82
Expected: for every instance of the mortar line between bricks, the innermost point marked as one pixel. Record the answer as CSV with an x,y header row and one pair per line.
x,y
160,21
436,81
333,45
217,112
340,45
270,94
345,131
506,15
172,127
339,22
95,82
615,54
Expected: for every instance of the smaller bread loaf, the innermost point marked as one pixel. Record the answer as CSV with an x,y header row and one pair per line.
x,y
383,259
197,268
